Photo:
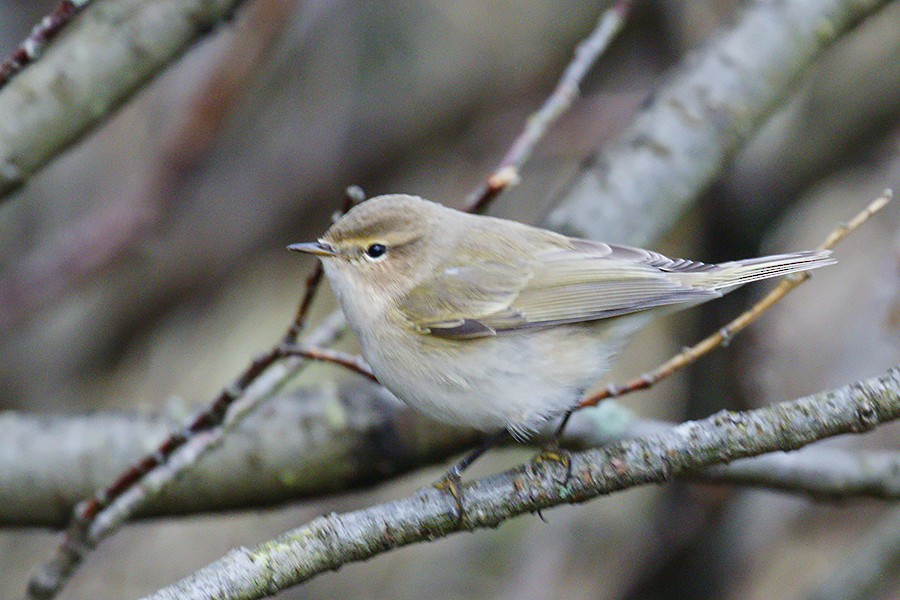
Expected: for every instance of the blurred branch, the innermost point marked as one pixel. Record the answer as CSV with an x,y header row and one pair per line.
x,y
302,445
586,54
113,227
105,511
823,473
316,442
338,539
96,63
637,186
210,103
41,35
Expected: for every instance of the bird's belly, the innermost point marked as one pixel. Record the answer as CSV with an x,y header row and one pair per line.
x,y
515,381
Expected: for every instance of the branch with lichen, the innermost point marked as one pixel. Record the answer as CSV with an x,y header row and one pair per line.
x,y
339,539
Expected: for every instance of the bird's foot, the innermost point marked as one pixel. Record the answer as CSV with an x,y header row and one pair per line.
x,y
554,453
451,483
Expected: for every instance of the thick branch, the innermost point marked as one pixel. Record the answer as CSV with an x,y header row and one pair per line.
x,y
820,472
293,450
337,539
706,112
97,63
301,445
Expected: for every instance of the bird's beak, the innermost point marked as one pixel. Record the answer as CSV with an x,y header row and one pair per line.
x,y
317,248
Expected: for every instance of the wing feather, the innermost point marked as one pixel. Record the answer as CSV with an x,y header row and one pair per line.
x,y
585,281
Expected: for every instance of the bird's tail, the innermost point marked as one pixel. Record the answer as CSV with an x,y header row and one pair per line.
x,y
726,276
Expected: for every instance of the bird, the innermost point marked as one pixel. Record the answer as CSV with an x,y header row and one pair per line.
x,y
497,325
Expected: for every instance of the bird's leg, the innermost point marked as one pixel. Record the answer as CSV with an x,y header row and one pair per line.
x,y
451,481
552,451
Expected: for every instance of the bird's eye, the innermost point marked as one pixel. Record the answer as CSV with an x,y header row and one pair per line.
x,y
376,250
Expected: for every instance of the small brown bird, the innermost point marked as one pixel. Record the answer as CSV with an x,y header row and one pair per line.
x,y
497,325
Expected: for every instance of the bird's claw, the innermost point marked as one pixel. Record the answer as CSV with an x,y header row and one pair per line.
x,y
451,483
555,454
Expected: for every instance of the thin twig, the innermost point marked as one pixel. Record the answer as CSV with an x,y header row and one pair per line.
x,y
725,334
348,361
586,54
709,107
536,126
41,35
89,524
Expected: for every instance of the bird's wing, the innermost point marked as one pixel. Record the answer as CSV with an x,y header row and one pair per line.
x,y
584,282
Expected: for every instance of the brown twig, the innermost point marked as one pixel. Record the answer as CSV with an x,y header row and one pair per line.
x,y
81,536
726,333
42,33
349,361
87,527
566,91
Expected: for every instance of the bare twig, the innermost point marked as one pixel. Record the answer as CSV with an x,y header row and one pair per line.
x,y
100,515
31,49
338,539
586,54
725,334
348,361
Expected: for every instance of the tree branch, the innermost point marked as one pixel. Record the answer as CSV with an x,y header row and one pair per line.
x,y
316,442
708,109
95,64
557,104
823,473
338,539
302,445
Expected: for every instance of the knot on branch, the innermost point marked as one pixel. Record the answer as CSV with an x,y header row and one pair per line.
x,y
867,416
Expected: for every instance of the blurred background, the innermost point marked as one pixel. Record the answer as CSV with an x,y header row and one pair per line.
x,y
162,236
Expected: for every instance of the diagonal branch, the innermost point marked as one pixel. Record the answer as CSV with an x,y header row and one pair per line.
x,y
557,104
96,63
338,539
50,462
41,35
709,108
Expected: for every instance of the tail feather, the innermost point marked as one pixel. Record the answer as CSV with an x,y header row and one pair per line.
x,y
729,275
